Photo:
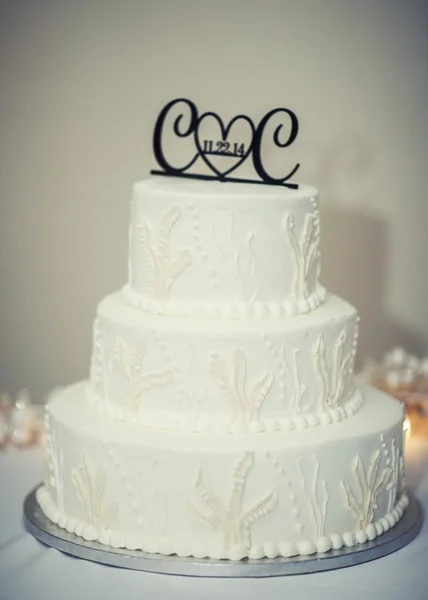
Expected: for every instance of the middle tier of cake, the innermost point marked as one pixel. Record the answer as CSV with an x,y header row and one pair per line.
x,y
224,375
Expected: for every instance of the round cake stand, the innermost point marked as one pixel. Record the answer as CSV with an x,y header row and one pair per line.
x,y
50,534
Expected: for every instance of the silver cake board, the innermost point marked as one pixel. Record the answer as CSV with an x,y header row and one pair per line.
x,y
50,534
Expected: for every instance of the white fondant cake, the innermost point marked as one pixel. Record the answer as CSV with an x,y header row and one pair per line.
x,y
221,417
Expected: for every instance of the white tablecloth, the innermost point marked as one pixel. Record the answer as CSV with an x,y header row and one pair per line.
x,y
29,570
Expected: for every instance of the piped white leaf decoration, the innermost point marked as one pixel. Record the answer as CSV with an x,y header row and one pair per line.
x,y
231,518
135,380
245,398
304,252
90,490
316,493
332,381
361,500
394,459
163,268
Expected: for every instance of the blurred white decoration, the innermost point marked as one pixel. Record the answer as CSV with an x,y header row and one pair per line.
x,y
3,430
405,377
407,430
424,366
399,370
21,422
5,404
395,358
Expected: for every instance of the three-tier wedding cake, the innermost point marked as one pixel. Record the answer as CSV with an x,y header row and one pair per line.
x,y
221,418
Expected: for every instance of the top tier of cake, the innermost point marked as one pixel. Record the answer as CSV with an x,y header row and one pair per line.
x,y
214,250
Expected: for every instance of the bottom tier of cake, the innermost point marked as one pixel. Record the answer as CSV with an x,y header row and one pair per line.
x,y
223,496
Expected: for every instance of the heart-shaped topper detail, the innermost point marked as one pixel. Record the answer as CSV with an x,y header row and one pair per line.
x,y
220,145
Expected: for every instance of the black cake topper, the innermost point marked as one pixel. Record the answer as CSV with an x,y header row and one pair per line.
x,y
190,124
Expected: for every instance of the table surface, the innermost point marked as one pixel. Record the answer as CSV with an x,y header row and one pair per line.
x,y
30,570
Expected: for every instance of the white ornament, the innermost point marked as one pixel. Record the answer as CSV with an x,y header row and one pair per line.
x,y
408,376
5,402
22,420
413,364
393,379
397,357
423,366
3,430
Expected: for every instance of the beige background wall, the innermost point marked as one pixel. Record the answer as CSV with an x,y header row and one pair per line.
x,y
80,85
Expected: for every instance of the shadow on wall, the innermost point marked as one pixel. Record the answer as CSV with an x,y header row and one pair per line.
x,y
354,266
354,247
